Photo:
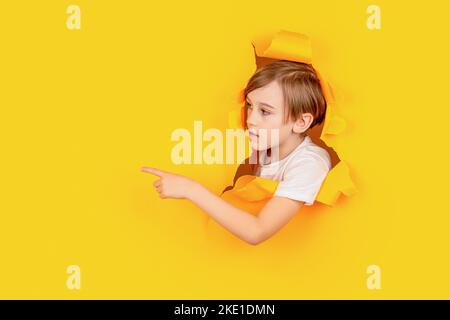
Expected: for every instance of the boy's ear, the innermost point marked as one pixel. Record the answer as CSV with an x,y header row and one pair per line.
x,y
303,123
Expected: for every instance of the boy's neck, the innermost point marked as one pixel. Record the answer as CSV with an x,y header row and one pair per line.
x,y
287,147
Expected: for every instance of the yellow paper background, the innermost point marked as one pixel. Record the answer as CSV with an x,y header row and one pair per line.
x,y
83,110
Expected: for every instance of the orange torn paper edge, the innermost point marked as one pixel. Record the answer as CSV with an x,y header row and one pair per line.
x,y
293,46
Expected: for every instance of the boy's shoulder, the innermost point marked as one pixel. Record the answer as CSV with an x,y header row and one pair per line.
x,y
311,152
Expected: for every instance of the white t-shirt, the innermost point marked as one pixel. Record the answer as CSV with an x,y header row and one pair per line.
x,y
300,174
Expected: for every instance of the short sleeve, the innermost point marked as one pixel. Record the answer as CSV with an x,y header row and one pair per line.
x,y
303,179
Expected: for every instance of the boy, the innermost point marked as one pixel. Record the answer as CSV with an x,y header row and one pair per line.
x,y
286,97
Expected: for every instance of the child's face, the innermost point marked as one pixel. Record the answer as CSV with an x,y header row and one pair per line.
x,y
265,111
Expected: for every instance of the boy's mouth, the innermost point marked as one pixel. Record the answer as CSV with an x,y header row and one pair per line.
x,y
252,133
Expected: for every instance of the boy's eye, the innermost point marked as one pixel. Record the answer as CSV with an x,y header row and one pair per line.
x,y
263,111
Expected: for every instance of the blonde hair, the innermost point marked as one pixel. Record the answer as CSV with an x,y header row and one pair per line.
x,y
302,92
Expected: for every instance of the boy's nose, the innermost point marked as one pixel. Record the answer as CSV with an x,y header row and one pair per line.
x,y
251,121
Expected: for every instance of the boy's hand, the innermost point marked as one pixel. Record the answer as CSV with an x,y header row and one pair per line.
x,y
170,185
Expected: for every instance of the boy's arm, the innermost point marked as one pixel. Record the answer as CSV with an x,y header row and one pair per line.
x,y
275,214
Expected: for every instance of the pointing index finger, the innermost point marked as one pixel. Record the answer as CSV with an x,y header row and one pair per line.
x,y
154,171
